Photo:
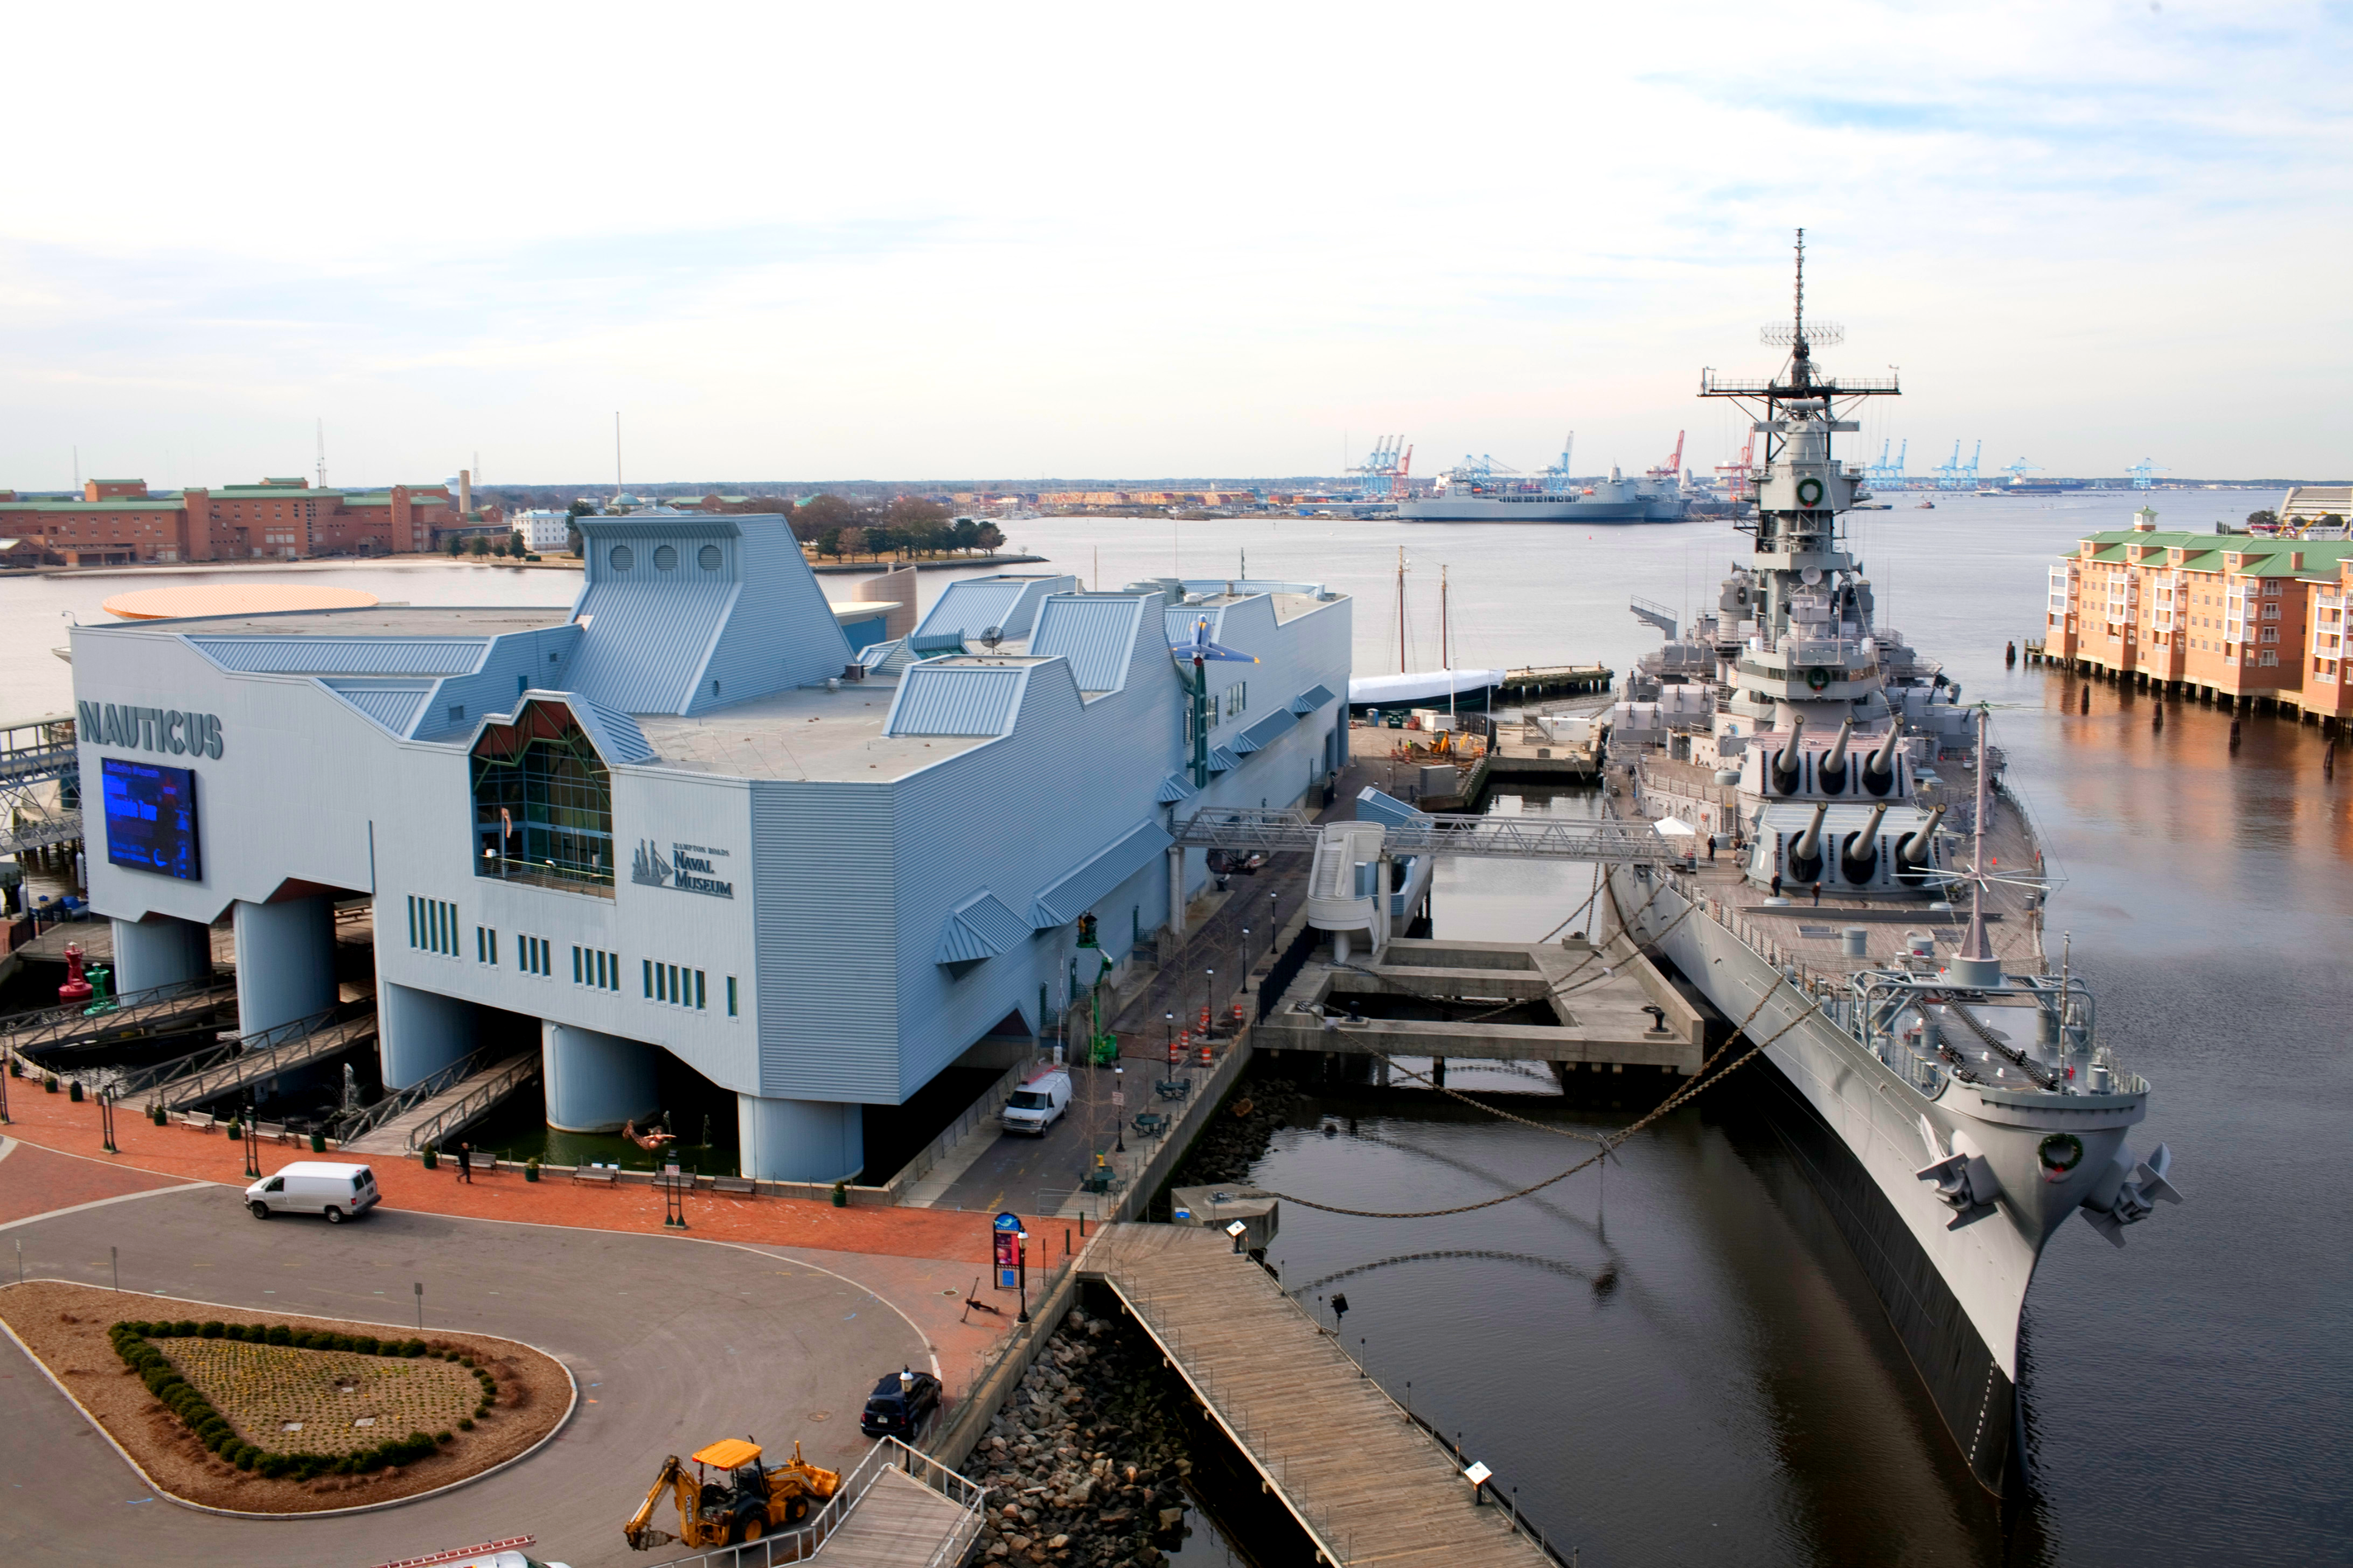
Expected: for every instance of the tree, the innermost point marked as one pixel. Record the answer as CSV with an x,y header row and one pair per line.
x,y
851,542
2266,517
814,516
883,541
482,546
830,543
583,507
456,545
989,537
572,541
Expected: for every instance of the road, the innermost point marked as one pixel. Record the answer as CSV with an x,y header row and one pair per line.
x,y
673,1342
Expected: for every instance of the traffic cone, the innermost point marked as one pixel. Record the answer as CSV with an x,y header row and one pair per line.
x,y
1205,1053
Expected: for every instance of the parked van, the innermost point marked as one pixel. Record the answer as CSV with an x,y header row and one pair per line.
x,y
1040,1102
314,1186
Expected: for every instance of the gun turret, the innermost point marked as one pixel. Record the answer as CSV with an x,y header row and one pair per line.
x,y
1829,773
1879,771
1786,773
1859,852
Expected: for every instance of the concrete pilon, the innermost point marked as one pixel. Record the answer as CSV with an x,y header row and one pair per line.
x,y
285,961
595,1081
161,950
799,1139
420,1032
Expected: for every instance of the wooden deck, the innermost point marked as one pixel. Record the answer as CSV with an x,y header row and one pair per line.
x,y
899,1522
1366,1483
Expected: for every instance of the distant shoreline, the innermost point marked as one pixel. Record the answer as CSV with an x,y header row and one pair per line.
x,y
419,561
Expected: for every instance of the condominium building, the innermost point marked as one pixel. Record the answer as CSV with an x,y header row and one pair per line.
x,y
2237,618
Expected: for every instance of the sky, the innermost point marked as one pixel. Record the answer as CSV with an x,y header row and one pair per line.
x,y
787,241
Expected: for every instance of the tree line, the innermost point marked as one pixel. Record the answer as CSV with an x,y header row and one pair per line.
x,y
907,526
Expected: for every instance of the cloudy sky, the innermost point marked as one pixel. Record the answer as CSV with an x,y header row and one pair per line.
x,y
792,241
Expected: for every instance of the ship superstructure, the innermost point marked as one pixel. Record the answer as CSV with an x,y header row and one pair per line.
x,y
1864,895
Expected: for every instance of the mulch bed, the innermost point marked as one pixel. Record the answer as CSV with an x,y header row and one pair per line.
x,y
65,1327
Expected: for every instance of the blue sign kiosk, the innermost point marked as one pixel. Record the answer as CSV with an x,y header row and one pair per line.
x,y
1008,1236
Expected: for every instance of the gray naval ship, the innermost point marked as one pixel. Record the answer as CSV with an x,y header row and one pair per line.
x,y
1865,898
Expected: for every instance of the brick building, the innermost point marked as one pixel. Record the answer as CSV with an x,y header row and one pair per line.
x,y
2241,618
120,522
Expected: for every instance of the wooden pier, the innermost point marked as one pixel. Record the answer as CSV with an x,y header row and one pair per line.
x,y
1555,680
1366,1483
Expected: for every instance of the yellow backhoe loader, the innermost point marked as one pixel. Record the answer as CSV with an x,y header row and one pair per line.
x,y
732,1498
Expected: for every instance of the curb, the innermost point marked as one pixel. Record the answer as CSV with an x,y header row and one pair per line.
x,y
561,1422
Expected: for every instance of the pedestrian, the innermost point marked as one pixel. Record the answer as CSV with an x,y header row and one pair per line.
x,y
1817,895
466,1164
1777,884
1711,848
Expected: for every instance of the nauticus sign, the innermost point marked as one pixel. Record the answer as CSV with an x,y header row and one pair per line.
x,y
182,734
688,869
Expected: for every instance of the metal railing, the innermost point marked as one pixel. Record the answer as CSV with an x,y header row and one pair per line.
x,y
255,1055
1275,832
520,1071
802,1541
40,832
367,1119
51,1025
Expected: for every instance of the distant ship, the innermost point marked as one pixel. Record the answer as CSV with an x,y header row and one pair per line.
x,y
1474,497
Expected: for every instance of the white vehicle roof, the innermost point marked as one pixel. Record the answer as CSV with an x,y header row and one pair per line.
x,y
320,1168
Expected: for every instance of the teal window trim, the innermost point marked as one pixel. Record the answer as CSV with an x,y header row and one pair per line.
x,y
698,991
730,997
648,976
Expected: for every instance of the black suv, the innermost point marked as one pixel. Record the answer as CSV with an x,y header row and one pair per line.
x,y
899,1406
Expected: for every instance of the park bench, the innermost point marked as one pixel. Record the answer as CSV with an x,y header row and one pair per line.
x,y
595,1174
1174,1087
738,1185
1150,1123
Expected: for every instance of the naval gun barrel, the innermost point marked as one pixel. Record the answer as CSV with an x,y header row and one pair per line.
x,y
1859,858
1809,844
1784,761
1912,852
1830,771
1883,761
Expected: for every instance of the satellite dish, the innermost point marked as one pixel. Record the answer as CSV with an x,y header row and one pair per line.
x,y
1812,574
992,637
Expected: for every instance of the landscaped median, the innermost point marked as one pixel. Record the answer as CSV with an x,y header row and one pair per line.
x,y
265,1412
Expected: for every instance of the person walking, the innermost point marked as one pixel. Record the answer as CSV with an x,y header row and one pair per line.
x,y
466,1164
1817,895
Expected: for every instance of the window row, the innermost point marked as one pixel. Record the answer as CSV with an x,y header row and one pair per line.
x,y
432,926
592,966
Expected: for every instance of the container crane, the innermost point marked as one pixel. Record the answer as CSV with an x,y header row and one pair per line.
x,y
2018,470
1383,470
1952,475
1555,477
2144,474
1673,468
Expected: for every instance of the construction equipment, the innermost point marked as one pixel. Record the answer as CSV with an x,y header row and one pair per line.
x,y
732,1498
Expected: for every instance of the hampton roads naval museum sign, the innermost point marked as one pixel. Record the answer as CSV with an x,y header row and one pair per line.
x,y
150,728
688,869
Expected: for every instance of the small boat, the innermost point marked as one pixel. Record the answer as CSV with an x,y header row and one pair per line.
x,y
1925,506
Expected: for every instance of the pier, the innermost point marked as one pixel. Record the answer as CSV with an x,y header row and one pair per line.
x,y
1365,1481
1556,679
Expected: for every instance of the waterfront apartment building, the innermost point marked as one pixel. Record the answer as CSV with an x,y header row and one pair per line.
x,y
2241,618
542,530
119,522
700,827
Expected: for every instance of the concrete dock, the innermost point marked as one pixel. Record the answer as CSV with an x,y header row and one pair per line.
x,y
1364,1481
1569,1004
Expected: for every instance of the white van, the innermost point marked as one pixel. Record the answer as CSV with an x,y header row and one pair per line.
x,y
1040,1102
314,1186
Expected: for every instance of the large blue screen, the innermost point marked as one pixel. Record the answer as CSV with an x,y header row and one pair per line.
x,y
150,818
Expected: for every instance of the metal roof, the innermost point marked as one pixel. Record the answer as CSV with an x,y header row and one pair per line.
x,y
1261,735
1174,788
394,705
972,606
614,734
336,655
957,699
1181,620
1222,760
980,927
1372,806
650,641
1068,897
1096,635
1312,699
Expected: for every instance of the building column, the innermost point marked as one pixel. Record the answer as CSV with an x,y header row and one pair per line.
x,y
419,1032
595,1081
799,1139
161,950
1177,894
285,961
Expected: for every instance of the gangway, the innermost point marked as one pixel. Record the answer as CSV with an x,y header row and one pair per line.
x,y
1655,612
240,1063
1537,838
159,1009
897,1508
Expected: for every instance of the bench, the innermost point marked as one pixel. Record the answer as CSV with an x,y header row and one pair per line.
x,y
202,1121
482,1160
1150,1123
592,1174
1174,1087
739,1186
273,1130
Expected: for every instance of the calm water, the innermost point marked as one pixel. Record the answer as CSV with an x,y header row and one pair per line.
x,y
1729,1395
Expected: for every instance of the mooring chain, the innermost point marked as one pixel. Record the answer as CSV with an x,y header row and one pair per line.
x,y
1613,1142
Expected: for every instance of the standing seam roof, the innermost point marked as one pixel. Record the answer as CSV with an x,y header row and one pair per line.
x,y
980,927
1181,619
394,706
971,608
1261,735
334,656
1312,699
956,700
1097,636
1068,897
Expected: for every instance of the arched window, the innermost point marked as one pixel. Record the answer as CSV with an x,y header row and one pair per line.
x,y
543,803
665,558
708,558
622,558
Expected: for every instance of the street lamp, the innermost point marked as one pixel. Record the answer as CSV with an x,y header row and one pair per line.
x,y
1021,1269
1208,1001
1245,986
1119,1108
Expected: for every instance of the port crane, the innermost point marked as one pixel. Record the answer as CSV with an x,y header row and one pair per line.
x,y
1738,480
1555,477
1883,475
1673,468
2018,470
1952,475
2144,473
1385,469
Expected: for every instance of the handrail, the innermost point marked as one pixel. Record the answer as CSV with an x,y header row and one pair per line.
x,y
488,1094
13,1024
262,1043
368,1118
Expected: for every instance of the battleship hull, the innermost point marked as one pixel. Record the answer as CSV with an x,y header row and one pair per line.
x,y
1953,1295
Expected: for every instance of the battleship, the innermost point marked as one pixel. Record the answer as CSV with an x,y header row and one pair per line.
x,y
1863,897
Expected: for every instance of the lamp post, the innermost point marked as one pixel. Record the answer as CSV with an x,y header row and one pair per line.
x,y
1209,1000
106,1121
1021,1268
1244,991
7,1071
1119,1108
1172,1038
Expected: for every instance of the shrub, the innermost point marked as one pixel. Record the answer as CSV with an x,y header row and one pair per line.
x,y
413,1348
482,1410
213,1329
49,1083
530,1170
841,1195
465,1423
340,1341
245,1457
159,1116
279,1334
184,1329
364,1343
432,1158
236,1132
444,1436
270,1467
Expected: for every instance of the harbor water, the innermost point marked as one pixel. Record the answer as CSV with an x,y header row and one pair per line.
x,y
1674,1361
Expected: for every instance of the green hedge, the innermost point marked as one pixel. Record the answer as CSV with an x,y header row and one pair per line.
x,y
211,1428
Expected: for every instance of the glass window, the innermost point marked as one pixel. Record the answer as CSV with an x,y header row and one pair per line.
x,y
666,559
622,558
708,558
542,801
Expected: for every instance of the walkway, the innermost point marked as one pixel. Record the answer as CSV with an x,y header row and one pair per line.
x,y
899,1522
243,1072
397,1136
1365,1482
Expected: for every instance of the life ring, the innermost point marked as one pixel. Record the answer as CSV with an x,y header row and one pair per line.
x,y
1817,678
1810,484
